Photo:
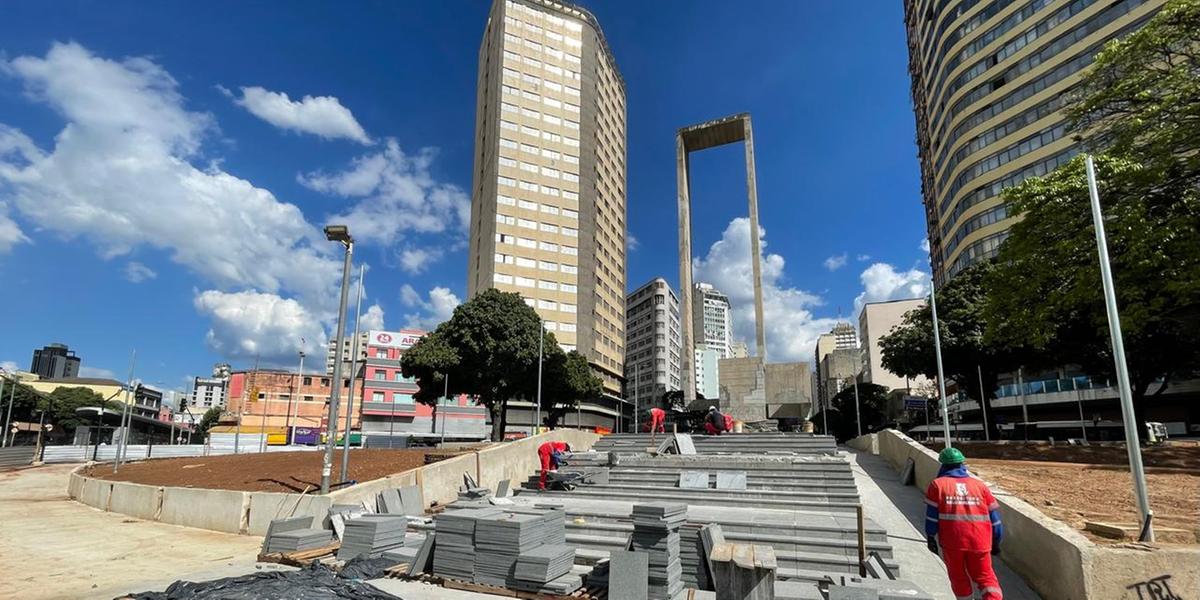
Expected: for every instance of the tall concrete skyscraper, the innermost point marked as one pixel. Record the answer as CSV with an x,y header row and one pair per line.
x,y
712,319
548,195
653,349
989,80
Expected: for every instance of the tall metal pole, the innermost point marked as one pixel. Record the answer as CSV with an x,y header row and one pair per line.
x,y
987,435
937,346
293,423
129,399
538,419
637,379
1024,406
335,393
1079,401
1132,443
362,271
446,394
8,417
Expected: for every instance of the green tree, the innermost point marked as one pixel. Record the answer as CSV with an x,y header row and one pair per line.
x,y
908,350
210,418
1141,96
872,402
567,380
674,399
1045,291
61,404
488,349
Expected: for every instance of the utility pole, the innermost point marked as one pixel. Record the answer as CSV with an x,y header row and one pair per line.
x,y
1132,443
299,392
637,378
538,419
446,394
362,271
937,346
857,410
987,435
337,233
8,417
129,399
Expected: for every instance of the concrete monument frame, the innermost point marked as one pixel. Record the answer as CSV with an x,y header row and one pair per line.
x,y
710,134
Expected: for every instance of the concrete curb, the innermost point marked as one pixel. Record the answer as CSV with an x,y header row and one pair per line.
x,y
1054,559
250,512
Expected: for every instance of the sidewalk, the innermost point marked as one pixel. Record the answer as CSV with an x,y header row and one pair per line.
x,y
901,510
52,547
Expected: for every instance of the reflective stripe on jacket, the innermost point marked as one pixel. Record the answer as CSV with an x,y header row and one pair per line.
x,y
962,511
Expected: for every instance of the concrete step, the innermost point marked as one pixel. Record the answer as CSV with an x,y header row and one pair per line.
x,y
831,476
702,496
783,485
802,544
817,507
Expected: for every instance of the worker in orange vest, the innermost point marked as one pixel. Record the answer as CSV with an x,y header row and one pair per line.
x,y
962,514
658,419
551,454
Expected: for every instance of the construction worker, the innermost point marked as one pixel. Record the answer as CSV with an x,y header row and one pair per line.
x,y
551,454
962,514
658,419
714,422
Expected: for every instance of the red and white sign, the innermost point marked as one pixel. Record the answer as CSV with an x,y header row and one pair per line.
x,y
394,339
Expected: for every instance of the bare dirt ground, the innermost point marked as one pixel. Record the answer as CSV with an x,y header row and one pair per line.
x,y
267,472
1075,484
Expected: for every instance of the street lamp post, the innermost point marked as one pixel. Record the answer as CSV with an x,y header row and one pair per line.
x,y
8,415
362,271
294,422
541,339
937,346
987,435
857,410
337,233
1132,443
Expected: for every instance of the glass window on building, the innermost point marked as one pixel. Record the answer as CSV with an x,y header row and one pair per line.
x,y
380,375
381,353
379,397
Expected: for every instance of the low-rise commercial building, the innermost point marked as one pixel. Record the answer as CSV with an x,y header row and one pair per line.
x,y
876,320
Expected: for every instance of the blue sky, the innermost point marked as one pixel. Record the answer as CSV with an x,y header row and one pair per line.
x,y
165,168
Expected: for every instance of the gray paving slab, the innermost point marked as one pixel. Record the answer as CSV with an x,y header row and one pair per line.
x,y
694,479
629,575
411,500
731,480
901,510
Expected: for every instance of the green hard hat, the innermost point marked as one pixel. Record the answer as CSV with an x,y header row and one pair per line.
x,y
951,456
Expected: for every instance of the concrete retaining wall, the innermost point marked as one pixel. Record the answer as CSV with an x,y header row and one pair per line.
x,y
865,443
218,510
136,500
1058,561
265,507
250,512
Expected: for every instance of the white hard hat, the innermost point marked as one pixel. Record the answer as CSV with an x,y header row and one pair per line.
x,y
712,408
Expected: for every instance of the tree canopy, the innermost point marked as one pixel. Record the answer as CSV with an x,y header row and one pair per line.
x,y
567,380
489,350
210,418
843,418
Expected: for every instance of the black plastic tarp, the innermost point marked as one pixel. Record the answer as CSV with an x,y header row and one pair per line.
x,y
317,582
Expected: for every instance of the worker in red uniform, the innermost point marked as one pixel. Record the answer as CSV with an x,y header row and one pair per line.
x,y
716,423
962,514
551,454
658,418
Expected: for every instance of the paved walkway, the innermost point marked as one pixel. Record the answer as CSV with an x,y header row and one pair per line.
x,y
901,510
52,547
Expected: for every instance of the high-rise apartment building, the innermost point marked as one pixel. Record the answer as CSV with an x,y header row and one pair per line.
x,y
989,80
841,337
55,361
653,342
548,194
209,392
712,320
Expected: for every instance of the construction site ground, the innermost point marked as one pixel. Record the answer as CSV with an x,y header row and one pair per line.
x,y
265,472
1075,484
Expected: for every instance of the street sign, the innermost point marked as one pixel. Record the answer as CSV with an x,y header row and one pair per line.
x,y
914,403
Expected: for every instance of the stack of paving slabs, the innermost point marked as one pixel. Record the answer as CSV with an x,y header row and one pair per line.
x,y
372,535
500,539
544,564
693,558
556,523
454,552
298,540
656,532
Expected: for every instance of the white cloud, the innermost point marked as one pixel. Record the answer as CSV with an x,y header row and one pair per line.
x,y
631,243
137,272
120,175
8,365
924,245
836,262
416,260
10,232
253,324
373,319
432,311
864,257
319,115
882,281
97,372
397,195
791,328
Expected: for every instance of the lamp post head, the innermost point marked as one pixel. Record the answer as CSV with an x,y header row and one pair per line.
x,y
338,233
